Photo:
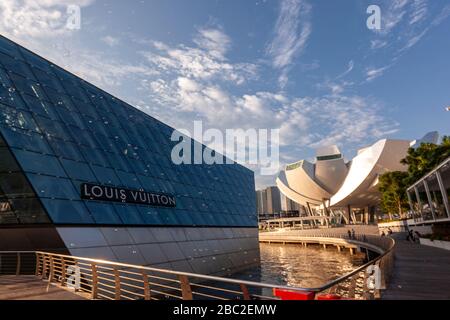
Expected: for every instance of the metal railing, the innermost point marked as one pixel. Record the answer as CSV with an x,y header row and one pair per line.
x,y
100,279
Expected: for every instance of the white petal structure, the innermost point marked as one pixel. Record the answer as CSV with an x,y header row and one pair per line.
x,y
360,187
308,183
338,185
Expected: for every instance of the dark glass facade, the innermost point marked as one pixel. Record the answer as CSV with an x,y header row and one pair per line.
x,y
57,131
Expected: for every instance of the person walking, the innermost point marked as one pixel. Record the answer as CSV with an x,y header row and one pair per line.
x,y
410,236
349,234
353,234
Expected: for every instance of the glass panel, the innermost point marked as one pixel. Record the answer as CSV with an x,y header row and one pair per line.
x,y
13,117
40,107
67,212
128,214
51,187
16,65
150,215
8,93
7,161
8,47
39,163
103,213
35,60
426,210
66,149
445,175
105,175
15,185
29,211
436,197
78,170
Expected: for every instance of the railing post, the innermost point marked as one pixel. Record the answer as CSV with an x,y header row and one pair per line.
x,y
116,284
147,293
18,264
352,288
185,288
51,273
245,292
94,281
63,272
38,263
44,266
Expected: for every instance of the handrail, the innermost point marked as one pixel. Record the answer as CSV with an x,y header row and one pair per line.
x,y
153,283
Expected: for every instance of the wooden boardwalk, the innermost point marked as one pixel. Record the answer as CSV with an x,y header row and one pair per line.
x,y
32,288
420,272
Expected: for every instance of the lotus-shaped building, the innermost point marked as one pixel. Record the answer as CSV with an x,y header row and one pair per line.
x,y
331,185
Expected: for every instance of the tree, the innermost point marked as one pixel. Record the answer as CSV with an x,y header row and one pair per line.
x,y
425,158
392,186
420,161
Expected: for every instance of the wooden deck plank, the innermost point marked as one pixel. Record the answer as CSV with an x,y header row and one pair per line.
x,y
32,288
420,272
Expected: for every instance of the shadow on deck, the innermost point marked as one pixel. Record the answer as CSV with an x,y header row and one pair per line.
x,y
33,288
420,272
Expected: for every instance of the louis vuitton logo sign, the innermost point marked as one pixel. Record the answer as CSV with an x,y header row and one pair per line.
x,y
114,194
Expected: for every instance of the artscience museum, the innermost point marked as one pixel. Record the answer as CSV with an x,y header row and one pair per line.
x,y
345,190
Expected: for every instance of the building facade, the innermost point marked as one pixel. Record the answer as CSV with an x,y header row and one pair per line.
x,y
84,173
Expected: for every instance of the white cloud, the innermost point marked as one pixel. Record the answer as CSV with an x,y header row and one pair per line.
x,y
373,73
207,61
110,41
215,41
292,31
350,66
36,19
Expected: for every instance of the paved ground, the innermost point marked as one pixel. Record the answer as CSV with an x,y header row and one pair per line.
x,y
420,272
32,288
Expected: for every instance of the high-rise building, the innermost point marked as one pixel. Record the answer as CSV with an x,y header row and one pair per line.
x,y
273,200
84,173
268,202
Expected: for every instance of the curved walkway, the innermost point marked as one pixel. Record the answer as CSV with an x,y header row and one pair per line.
x,y
420,272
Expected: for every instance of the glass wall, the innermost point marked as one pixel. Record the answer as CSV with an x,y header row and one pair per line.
x,y
18,202
64,132
430,198
436,197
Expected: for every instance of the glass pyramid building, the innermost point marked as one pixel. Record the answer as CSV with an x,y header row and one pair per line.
x,y
79,167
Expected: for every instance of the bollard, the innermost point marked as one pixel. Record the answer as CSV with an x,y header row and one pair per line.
x,y
293,295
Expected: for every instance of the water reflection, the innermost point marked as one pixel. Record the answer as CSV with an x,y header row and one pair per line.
x,y
298,266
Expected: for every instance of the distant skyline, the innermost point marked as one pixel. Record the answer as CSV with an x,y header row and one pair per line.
x,y
311,68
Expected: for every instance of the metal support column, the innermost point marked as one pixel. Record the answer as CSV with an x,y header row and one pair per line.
x,y
430,200
419,202
443,192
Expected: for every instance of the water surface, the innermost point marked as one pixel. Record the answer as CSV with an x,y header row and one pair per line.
x,y
298,266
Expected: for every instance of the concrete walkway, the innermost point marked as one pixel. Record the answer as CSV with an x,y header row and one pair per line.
x,y
32,288
420,272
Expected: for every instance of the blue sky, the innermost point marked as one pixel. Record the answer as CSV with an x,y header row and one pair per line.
x,y
311,68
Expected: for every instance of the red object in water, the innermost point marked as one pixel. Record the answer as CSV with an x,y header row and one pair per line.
x,y
328,297
293,295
